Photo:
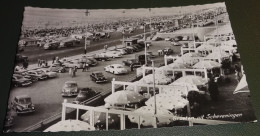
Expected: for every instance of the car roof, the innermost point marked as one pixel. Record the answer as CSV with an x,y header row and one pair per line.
x,y
97,72
22,96
70,82
116,65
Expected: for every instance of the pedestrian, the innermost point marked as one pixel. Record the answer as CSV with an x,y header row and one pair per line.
x,y
237,72
132,67
147,45
105,47
213,90
84,67
87,66
74,71
70,72
53,59
38,62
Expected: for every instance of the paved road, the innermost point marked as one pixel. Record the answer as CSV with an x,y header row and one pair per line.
x,y
46,94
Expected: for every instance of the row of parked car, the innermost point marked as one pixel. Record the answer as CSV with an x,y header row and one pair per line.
x,y
26,78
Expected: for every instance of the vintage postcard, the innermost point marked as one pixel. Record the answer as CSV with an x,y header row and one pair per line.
x,y
117,69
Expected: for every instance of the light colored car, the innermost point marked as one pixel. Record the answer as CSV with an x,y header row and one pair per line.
x,y
70,64
116,69
70,88
112,54
50,74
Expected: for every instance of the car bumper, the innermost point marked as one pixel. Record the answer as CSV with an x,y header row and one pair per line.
x,y
25,111
69,93
26,84
101,81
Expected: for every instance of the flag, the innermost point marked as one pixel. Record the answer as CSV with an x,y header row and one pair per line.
x,y
242,86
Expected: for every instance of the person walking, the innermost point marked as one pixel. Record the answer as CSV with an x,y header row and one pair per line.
x,y
87,66
74,71
105,47
84,67
39,62
70,72
53,59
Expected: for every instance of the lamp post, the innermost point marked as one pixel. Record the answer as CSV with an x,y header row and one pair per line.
x,y
86,42
154,95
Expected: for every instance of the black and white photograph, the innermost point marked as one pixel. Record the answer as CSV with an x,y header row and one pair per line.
x,y
118,69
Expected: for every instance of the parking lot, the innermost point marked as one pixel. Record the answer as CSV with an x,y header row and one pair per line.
x,y
46,95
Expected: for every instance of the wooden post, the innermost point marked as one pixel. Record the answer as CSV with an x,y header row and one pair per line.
x,y
91,117
165,60
143,71
113,85
63,114
106,120
206,74
139,120
77,114
121,121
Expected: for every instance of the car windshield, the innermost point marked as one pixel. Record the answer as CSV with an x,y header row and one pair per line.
x,y
25,100
70,85
99,74
39,72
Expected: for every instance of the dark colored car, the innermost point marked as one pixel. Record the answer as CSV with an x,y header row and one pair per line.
x,y
22,104
20,58
135,49
141,59
129,51
178,38
98,77
84,94
18,80
132,62
168,51
9,120
100,57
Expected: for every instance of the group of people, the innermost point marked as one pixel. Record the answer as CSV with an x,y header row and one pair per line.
x,y
42,63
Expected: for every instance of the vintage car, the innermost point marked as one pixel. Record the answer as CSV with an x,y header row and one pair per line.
x,y
20,58
135,49
112,54
121,51
56,67
101,57
84,94
132,63
185,38
51,45
9,120
19,80
50,74
116,69
92,61
175,43
168,51
70,88
98,77
37,74
22,104
150,54
72,64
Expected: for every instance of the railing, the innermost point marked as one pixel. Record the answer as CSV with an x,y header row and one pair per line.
x,y
123,114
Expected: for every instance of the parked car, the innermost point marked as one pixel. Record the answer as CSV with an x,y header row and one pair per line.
x,y
121,51
168,51
150,54
84,94
175,43
20,58
22,104
116,69
132,63
167,39
70,88
98,77
178,38
9,120
135,49
101,57
185,38
23,74
50,74
72,64
129,51
18,80
141,59
56,67
51,45
37,74
112,54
